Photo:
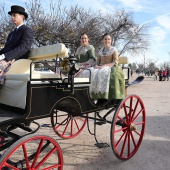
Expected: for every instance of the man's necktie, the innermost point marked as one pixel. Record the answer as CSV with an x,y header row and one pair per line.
x,y
12,34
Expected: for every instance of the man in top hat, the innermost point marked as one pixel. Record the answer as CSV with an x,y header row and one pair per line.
x,y
18,41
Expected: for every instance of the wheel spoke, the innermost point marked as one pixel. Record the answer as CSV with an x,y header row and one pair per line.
x,y
62,123
119,130
124,142
134,111
118,142
139,123
25,155
76,124
10,166
60,116
130,109
66,126
37,153
45,158
138,115
128,143
71,132
133,140
137,133
126,114
122,120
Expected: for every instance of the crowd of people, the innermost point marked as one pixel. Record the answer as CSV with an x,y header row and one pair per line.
x,y
163,75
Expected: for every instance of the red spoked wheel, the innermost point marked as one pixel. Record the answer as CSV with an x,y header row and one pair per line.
x,y
66,125
128,127
33,152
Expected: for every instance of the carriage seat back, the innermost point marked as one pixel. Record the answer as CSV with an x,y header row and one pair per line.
x,y
123,60
22,66
48,52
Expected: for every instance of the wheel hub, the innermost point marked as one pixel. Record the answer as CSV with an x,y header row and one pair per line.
x,y
133,127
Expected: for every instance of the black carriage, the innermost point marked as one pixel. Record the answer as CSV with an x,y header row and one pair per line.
x,y
29,95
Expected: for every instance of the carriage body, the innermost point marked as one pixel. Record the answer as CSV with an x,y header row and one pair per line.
x,y
48,95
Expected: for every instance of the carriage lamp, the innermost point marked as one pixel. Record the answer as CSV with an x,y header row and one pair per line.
x,y
74,67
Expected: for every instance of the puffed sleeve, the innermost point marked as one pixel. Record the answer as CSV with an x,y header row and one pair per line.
x,y
91,53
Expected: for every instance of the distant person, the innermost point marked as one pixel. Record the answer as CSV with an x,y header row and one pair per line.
x,y
131,73
156,74
160,75
164,75
18,43
167,74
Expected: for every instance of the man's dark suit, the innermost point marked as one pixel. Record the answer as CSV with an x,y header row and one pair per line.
x,y
18,43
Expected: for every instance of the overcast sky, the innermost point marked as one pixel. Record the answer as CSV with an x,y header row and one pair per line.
x,y
155,12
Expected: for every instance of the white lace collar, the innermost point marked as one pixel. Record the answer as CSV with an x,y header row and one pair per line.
x,y
108,52
83,49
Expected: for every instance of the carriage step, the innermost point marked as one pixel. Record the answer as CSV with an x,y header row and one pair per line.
x,y
100,123
101,145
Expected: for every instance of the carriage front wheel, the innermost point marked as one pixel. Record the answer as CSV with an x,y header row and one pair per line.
x,y
33,152
128,126
66,125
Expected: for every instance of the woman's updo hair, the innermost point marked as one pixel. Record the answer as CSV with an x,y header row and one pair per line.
x,y
83,34
105,35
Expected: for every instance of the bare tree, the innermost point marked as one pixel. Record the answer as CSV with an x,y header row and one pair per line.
x,y
6,25
127,36
60,24
165,65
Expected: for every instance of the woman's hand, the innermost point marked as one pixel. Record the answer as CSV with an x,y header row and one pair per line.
x,y
84,65
99,66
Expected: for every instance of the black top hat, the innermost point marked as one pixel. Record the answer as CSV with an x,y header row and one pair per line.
x,y
18,9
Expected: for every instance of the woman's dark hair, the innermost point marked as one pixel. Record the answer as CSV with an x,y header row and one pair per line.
x,y
83,34
106,35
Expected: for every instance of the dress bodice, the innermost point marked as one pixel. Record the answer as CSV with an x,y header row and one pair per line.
x,y
107,56
85,53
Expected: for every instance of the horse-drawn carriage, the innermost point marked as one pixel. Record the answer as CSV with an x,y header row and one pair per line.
x,y
29,95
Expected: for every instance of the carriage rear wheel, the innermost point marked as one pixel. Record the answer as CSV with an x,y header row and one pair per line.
x,y
66,125
128,126
33,152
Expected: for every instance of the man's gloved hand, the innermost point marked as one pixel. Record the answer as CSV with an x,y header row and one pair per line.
x,y
2,57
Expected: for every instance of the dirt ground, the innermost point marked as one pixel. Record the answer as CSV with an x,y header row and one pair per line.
x,y
80,153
